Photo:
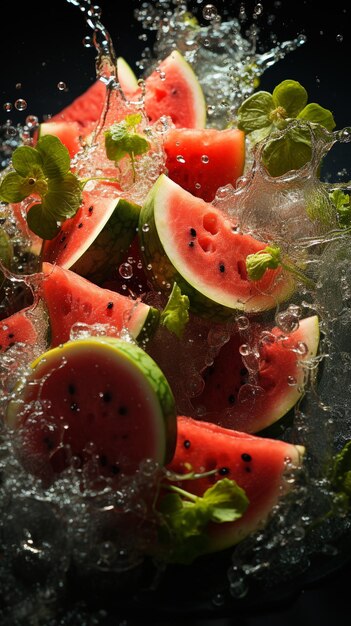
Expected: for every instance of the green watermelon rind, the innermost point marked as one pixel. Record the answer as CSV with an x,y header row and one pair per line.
x,y
108,247
163,261
157,390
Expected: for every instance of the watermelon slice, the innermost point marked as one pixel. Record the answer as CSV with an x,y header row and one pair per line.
x,y
94,241
67,132
87,108
173,89
100,394
189,241
255,463
71,299
202,160
17,330
232,399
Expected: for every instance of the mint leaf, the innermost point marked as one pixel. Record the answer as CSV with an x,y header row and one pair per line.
x,y
54,155
342,204
258,263
63,198
175,315
122,139
291,96
6,250
340,475
254,113
24,159
318,115
186,517
12,188
289,151
41,222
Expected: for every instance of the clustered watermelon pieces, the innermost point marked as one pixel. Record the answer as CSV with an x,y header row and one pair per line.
x,y
97,384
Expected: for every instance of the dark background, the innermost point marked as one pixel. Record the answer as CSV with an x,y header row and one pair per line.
x,y
42,45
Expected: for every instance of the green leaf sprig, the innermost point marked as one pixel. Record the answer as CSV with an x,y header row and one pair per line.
x,y
6,252
175,315
340,476
262,114
43,172
122,139
271,258
186,517
342,203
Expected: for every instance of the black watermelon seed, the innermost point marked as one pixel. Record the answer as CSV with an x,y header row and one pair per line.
x,y
103,460
91,209
193,232
110,305
222,267
187,444
191,244
115,469
107,396
223,471
246,457
10,336
74,406
80,225
231,399
122,410
248,469
49,443
71,389
63,238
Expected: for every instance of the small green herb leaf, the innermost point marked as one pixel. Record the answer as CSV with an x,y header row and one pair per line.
x,y
55,156
254,113
317,115
6,251
341,475
186,516
342,204
63,197
175,315
289,151
12,188
41,222
258,263
291,96
122,139
24,159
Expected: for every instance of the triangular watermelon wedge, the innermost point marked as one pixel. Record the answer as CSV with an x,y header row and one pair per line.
x,y
256,464
71,299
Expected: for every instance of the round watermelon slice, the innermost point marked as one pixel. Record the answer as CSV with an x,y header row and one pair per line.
x,y
256,464
191,242
202,160
94,241
71,299
230,398
98,399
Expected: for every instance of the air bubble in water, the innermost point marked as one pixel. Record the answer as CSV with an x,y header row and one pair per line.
x,y
126,270
258,10
209,12
204,158
7,106
243,322
18,85
145,228
20,104
180,158
61,86
339,38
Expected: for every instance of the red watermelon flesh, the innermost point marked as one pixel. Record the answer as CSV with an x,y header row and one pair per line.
x,y
256,464
202,160
84,110
68,133
71,299
18,329
95,398
248,401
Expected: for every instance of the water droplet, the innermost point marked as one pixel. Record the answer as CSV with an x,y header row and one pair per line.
x,y
244,349
243,322
291,381
126,270
204,158
145,228
163,75
301,39
32,121
87,42
209,12
61,86
18,85
180,158
339,38
11,131
258,10
20,104
7,106
218,599
301,348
